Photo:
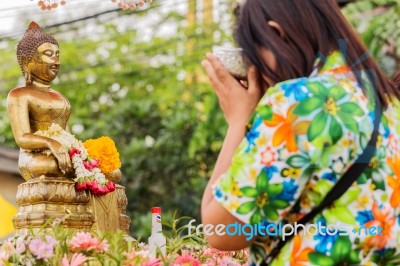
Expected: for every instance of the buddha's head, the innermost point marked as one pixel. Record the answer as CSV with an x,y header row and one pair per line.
x,y
38,55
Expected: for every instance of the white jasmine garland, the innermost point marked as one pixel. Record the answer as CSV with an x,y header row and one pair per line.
x,y
69,141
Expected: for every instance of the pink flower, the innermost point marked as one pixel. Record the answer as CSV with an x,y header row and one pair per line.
x,y
111,186
35,245
51,241
83,241
94,163
81,185
7,249
151,262
76,260
20,245
186,260
224,261
98,189
40,249
90,164
103,246
73,151
3,256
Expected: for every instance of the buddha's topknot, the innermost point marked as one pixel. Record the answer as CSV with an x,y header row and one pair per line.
x,y
33,38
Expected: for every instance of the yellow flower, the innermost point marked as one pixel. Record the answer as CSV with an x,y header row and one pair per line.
x,y
363,201
233,205
261,141
103,149
253,174
280,98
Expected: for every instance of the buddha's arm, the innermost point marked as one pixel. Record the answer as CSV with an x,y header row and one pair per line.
x,y
18,112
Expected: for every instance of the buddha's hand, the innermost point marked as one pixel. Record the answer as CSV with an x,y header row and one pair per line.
x,y
115,176
62,156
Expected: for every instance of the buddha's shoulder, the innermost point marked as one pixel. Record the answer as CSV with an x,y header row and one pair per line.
x,y
19,91
20,94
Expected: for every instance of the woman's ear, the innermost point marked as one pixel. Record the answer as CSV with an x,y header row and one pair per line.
x,y
274,25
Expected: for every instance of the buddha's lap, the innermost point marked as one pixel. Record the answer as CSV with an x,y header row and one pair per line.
x,y
33,165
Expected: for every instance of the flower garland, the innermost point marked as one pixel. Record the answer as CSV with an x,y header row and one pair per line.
x,y
89,175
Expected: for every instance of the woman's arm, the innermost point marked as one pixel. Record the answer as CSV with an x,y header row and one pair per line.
x,y
211,211
237,103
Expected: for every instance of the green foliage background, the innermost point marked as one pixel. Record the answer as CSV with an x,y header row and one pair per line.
x,y
153,97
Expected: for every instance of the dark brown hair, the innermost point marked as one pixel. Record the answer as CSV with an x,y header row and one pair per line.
x,y
396,80
311,27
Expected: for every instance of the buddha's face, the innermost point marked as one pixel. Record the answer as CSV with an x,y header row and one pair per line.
x,y
45,63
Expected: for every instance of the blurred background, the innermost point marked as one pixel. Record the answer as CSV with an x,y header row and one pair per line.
x,y
136,77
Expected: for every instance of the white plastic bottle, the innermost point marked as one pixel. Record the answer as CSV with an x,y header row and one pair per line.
x,y
157,240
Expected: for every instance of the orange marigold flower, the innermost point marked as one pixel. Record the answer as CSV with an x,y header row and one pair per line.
x,y
299,256
103,149
386,221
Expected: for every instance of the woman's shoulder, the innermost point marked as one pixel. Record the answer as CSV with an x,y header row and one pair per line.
x,y
329,107
334,94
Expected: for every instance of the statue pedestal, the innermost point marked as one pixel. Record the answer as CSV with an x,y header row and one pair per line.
x,y
43,200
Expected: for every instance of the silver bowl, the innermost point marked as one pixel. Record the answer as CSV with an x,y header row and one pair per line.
x,y
232,59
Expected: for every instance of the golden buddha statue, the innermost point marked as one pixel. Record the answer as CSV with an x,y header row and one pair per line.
x,y
36,106
45,163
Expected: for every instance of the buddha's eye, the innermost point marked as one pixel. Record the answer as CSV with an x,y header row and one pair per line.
x,y
48,53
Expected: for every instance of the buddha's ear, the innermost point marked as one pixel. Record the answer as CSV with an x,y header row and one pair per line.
x,y
275,26
24,63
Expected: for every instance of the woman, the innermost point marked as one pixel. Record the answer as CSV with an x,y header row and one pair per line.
x,y
314,121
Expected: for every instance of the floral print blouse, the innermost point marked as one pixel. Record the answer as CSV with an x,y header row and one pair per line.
x,y
302,137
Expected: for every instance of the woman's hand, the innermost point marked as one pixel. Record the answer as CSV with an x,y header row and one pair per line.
x,y
62,156
236,101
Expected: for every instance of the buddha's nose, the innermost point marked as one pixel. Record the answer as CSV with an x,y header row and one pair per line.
x,y
56,60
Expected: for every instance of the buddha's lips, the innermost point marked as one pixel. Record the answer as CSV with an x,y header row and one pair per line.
x,y
54,68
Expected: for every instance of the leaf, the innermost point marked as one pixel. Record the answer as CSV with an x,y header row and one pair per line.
x,y
348,121
390,252
262,182
307,106
323,186
246,207
314,88
279,203
341,249
335,130
344,214
274,189
317,126
337,93
270,213
351,108
354,257
348,197
265,112
256,217
320,259
297,161
249,192
378,181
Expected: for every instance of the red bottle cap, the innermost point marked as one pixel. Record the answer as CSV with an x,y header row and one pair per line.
x,y
156,210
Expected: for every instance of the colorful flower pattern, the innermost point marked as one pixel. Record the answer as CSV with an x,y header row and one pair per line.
x,y
295,151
